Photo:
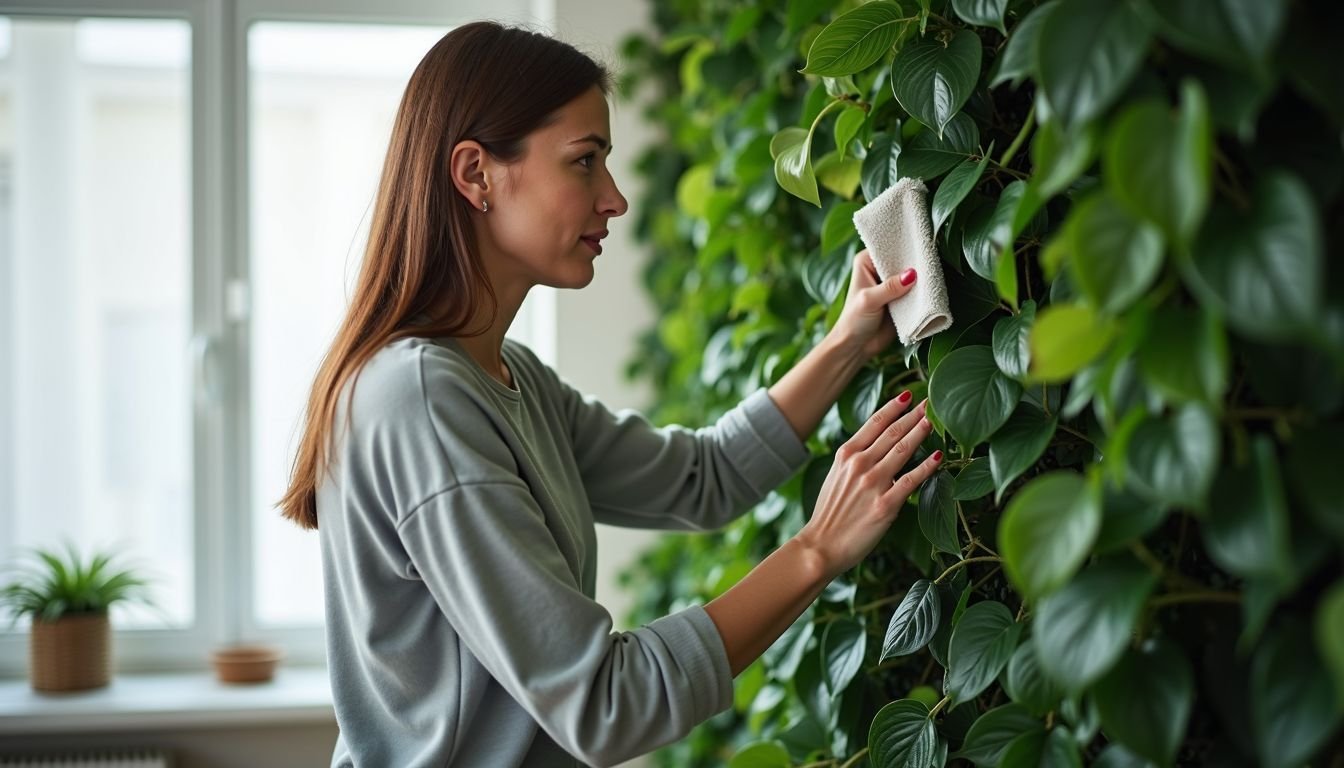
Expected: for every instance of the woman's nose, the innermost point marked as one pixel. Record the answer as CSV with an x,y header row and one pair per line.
x,y
612,203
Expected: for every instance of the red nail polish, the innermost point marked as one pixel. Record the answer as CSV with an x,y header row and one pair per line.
x,y
908,276
904,397
937,456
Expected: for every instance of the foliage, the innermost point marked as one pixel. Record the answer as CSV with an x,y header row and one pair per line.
x,y
1133,553
50,585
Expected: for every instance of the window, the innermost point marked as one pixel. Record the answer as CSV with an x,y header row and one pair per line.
x,y
177,241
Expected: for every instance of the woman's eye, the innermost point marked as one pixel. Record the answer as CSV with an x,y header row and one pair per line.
x,y
586,161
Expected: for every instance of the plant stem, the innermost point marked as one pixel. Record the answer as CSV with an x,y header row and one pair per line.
x,y
879,603
853,761
1076,433
939,707
1175,598
1021,137
964,563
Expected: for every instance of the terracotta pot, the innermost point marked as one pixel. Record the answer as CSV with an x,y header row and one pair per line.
x,y
71,653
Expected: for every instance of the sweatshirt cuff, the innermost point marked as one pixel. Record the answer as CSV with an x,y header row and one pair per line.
x,y
763,445
695,642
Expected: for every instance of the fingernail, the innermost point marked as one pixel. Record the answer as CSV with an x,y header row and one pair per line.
x,y
908,276
937,456
904,397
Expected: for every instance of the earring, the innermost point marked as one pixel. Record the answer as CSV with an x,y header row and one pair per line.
x,y
485,206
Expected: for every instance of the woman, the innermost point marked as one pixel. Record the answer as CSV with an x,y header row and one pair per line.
x,y
457,478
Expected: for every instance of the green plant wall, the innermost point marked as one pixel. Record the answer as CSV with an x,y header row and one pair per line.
x,y
1133,553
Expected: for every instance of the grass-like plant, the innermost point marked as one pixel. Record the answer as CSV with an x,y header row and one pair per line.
x,y
48,585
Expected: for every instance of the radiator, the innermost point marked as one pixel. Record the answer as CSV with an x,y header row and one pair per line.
x,y
142,759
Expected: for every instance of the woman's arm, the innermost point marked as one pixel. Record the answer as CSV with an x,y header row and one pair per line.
x,y
858,502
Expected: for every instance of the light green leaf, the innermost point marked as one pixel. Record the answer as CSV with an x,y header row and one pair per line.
x,y
915,621
938,512
1018,444
792,150
1330,637
1173,459
839,173
694,188
1145,701
1047,532
1087,53
902,734
847,127
932,81
1064,338
982,643
1114,257
1158,167
1081,630
854,41
838,228
762,754
971,395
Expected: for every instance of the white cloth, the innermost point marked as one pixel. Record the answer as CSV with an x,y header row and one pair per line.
x,y
896,228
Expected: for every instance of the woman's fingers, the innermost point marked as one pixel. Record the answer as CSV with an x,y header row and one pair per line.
x,y
891,455
895,433
907,484
881,419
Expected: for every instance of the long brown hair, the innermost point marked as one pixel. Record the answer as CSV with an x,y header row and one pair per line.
x,y
482,81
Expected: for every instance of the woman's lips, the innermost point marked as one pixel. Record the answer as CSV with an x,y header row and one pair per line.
x,y
594,243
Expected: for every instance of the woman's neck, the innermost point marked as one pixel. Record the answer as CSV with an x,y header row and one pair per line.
x,y
487,348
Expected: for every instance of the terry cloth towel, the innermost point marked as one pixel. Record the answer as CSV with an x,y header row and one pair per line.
x,y
896,228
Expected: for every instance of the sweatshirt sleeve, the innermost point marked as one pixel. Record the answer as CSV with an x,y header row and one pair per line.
x,y
642,476
485,553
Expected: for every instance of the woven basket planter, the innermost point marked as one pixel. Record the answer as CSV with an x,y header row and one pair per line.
x,y
71,653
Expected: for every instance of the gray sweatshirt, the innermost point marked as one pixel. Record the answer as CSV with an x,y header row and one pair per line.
x,y
458,555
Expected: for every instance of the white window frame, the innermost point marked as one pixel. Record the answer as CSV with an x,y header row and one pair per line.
x,y
220,127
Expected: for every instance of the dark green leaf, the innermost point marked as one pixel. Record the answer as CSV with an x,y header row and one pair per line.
x,y
1264,270
1087,53
1145,701
854,41
1126,517
985,237
971,395
982,643
954,189
1246,533
1240,33
1330,637
838,228
982,13
938,512
804,12
1081,630
1018,60
1294,707
1158,167
1313,459
915,621
1114,257
989,737
1018,444
1173,460
1027,685
879,166
1116,756
1055,749
1012,351
902,734
1059,156
1047,532
927,156
861,398
974,480
1185,356
932,81
842,648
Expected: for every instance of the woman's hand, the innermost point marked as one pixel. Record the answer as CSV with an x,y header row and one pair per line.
x,y
864,323
863,493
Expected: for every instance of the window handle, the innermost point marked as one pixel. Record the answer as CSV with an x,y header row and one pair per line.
x,y
205,371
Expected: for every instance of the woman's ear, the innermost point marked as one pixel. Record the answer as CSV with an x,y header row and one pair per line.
x,y
468,167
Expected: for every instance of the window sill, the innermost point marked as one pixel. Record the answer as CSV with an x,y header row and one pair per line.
x,y
155,702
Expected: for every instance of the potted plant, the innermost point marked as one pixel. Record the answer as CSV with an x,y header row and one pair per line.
x,y
67,598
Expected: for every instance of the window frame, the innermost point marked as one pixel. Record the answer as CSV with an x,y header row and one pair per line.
x,y
221,325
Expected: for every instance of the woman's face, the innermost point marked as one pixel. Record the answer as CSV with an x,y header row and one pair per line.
x,y
549,210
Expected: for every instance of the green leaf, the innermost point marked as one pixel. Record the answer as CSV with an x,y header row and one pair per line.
x,y
839,174
1145,701
1312,459
1235,32
1114,257
762,754
847,127
971,394
938,512
842,648
1185,355
861,398
1087,53
1125,518
838,228
902,734
803,12
792,150
1055,749
1247,529
932,81
1330,637
1047,532
694,188
991,733
1082,629
985,237
1263,270
927,156
1116,756
954,189
974,480
1018,444
982,643
915,621
1064,338
1012,352
879,166
854,41
824,277
1027,685
1059,156
1294,707
1173,460
982,13
1158,167
1018,60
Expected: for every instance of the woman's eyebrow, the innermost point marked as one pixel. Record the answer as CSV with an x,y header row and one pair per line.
x,y
600,141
